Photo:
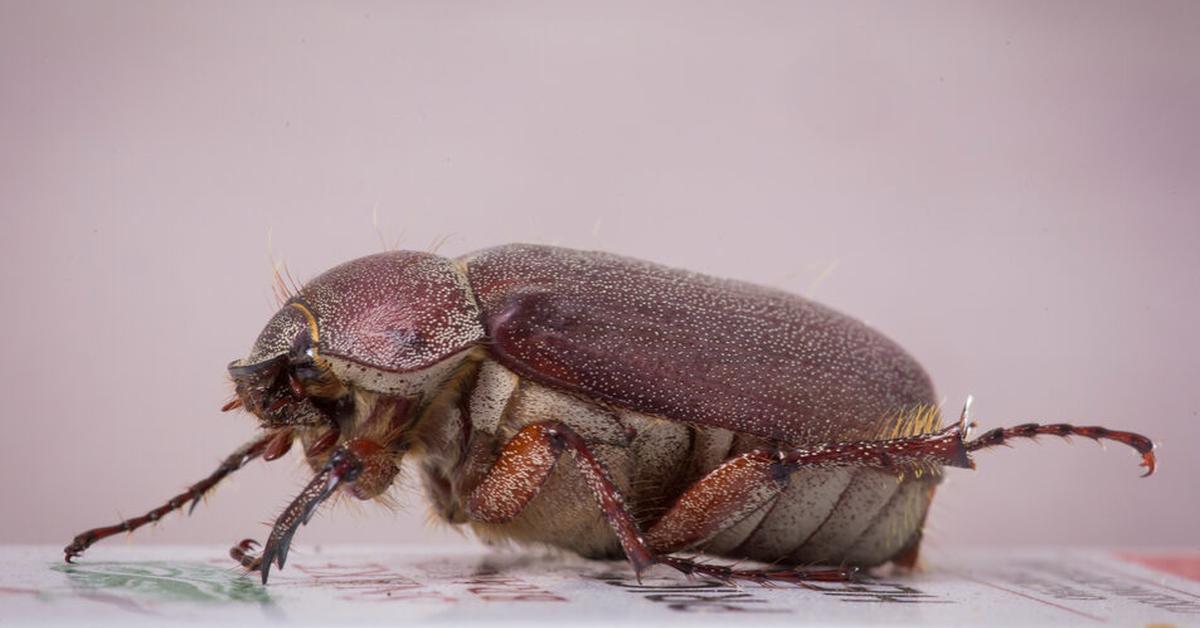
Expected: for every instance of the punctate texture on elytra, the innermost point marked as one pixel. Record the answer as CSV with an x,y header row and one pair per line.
x,y
690,347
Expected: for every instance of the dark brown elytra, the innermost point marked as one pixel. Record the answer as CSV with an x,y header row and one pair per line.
x,y
697,414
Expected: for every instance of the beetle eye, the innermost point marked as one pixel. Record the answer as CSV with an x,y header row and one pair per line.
x,y
316,380
307,371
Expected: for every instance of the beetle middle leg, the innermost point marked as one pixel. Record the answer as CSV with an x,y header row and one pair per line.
x,y
527,460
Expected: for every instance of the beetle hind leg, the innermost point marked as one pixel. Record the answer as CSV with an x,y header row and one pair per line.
x,y
792,575
1001,436
526,462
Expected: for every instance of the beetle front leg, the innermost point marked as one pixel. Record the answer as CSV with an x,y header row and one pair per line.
x,y
362,466
244,554
269,447
527,461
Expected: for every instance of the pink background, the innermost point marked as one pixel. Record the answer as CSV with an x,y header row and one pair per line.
x,y
1010,190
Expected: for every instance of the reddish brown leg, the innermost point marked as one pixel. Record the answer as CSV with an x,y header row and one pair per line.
x,y
744,483
716,501
747,482
949,447
523,466
1001,436
242,553
233,462
526,462
760,576
720,499
362,466
945,448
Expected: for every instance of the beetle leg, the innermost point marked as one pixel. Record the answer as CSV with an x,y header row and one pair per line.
x,y
279,445
760,576
523,467
363,466
748,482
949,447
242,553
944,448
526,462
727,494
295,515
743,484
233,462
1001,436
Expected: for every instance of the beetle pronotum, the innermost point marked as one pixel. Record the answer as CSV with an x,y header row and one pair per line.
x,y
700,414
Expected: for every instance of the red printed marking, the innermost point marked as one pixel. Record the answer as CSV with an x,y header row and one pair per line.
x,y
1035,599
18,591
497,588
372,581
1182,564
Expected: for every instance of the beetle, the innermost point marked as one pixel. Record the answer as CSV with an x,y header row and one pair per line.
x,y
700,415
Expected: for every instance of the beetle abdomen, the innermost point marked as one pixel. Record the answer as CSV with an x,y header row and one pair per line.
x,y
831,515
837,515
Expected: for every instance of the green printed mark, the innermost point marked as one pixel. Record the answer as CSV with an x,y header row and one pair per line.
x,y
163,580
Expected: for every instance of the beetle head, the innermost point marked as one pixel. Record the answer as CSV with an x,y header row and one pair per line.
x,y
285,381
394,323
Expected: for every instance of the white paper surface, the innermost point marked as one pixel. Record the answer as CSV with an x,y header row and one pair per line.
x,y
466,585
